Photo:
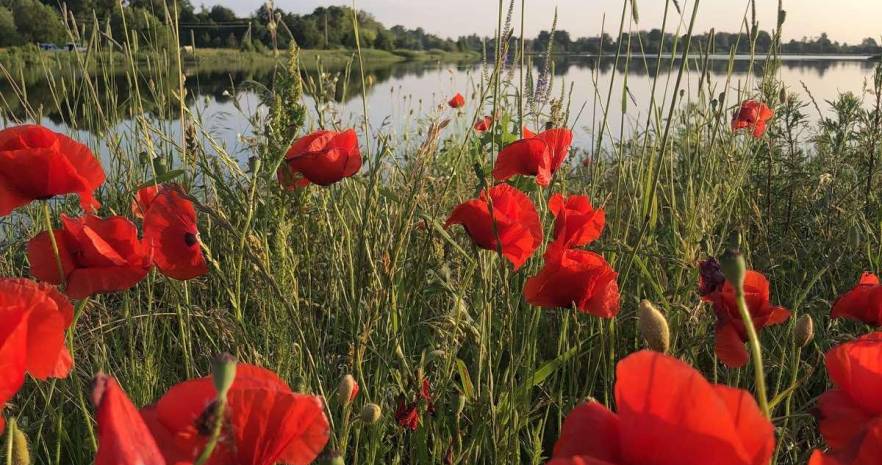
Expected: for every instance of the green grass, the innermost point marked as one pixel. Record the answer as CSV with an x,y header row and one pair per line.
x,y
345,279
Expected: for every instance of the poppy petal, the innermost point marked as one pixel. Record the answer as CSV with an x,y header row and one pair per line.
x,y
590,430
123,438
840,418
527,157
856,368
667,409
729,347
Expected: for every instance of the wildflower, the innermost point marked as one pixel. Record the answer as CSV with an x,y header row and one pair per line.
x,y
573,277
171,236
850,414
323,158
711,278
458,101
33,320
97,255
37,164
407,414
515,222
752,115
668,414
862,303
143,198
426,395
123,438
265,422
730,331
539,155
576,223
484,124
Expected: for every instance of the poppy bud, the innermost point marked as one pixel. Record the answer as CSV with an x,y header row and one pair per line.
x,y
733,267
347,390
653,327
804,331
371,413
224,372
20,453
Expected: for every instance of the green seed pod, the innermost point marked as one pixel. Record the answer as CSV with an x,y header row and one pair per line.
x,y
371,413
224,373
804,331
653,327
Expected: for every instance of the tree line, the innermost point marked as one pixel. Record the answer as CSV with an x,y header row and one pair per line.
x,y
33,21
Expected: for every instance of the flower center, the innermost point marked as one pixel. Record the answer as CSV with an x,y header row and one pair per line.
x,y
190,239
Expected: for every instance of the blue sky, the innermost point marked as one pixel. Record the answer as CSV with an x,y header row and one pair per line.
x,y
843,20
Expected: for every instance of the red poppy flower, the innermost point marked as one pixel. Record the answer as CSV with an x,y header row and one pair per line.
x,y
426,395
710,278
752,115
457,101
33,321
862,303
576,223
668,414
323,158
97,255
408,415
850,414
730,332
171,236
143,198
537,155
36,164
266,422
123,438
575,277
516,223
484,124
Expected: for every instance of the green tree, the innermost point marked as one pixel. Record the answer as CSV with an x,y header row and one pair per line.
x,y
8,33
36,22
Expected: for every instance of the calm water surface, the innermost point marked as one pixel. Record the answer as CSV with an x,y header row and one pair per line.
x,y
401,97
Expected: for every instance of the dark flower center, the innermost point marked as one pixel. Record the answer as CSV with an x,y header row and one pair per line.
x,y
190,239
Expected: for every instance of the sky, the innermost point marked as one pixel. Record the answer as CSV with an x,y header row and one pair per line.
x,y
843,20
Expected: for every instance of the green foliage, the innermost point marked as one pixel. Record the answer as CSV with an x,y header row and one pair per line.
x,y
36,22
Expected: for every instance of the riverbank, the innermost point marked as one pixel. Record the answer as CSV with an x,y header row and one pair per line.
x,y
30,57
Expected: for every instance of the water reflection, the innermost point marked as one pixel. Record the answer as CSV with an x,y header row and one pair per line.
x,y
399,94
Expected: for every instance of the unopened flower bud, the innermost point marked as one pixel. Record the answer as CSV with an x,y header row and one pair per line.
x,y
733,267
653,327
347,390
223,371
804,331
371,413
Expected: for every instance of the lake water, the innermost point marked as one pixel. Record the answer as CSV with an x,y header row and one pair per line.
x,y
401,97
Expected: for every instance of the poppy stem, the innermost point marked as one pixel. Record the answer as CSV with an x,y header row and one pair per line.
x,y
47,213
215,432
755,350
